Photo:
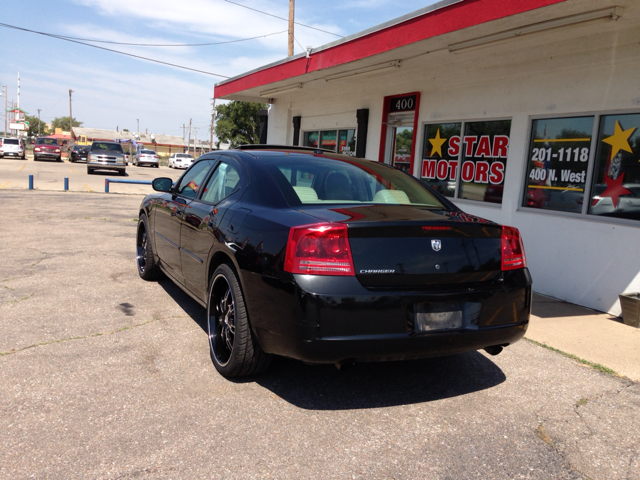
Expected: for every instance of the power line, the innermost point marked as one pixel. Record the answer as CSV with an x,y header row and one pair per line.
x,y
282,18
168,44
111,50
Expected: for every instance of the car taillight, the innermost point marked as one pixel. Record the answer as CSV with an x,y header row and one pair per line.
x,y
155,156
512,249
321,249
594,201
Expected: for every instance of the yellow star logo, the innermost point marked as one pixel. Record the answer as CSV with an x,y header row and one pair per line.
x,y
436,143
619,140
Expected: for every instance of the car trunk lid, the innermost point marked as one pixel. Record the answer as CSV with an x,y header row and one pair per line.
x,y
413,247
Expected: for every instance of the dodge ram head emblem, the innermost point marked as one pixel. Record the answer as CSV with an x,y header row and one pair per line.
x,y
436,245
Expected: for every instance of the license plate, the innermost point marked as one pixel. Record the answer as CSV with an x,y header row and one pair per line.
x,y
438,316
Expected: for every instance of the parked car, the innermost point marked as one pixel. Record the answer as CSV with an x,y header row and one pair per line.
x,y
328,258
180,160
106,156
13,147
146,157
79,153
47,148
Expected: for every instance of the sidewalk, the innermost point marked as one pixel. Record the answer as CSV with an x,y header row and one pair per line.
x,y
597,337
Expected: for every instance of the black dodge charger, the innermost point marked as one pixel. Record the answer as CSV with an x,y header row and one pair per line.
x,y
330,259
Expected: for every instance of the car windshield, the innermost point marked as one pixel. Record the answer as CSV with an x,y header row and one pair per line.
x,y
11,141
109,147
46,141
317,180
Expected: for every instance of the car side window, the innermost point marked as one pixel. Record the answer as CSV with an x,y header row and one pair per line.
x,y
191,180
222,183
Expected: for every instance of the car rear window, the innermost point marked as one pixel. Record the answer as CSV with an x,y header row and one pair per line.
x,y
47,141
11,141
109,147
148,152
316,180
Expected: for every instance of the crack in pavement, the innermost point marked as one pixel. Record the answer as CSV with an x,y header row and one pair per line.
x,y
98,334
45,255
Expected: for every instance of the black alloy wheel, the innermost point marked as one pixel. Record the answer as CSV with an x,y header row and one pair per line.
x,y
148,269
234,350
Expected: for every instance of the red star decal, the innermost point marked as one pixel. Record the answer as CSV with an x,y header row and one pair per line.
x,y
614,189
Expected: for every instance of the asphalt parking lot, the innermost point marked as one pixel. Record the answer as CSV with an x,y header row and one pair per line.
x,y
105,376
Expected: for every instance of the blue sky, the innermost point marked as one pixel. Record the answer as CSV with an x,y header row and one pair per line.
x,y
113,90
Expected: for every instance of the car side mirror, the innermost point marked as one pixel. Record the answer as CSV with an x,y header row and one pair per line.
x,y
162,184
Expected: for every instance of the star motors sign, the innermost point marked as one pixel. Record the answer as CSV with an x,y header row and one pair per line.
x,y
478,151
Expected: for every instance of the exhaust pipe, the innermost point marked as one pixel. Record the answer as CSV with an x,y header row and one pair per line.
x,y
494,350
344,365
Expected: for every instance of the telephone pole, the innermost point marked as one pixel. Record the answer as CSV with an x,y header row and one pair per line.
x,y
39,123
189,142
213,121
5,110
70,116
183,130
195,140
292,8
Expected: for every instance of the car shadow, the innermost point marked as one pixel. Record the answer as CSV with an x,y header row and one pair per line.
x,y
107,173
192,308
380,384
365,385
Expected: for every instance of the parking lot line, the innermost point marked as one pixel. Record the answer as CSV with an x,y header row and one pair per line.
x,y
5,184
71,168
22,167
88,188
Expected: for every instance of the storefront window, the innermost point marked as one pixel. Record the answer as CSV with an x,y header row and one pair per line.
x,y
440,156
328,140
557,165
347,145
615,190
340,141
310,139
484,158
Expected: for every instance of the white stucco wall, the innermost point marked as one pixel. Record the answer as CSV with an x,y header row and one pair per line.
x,y
577,70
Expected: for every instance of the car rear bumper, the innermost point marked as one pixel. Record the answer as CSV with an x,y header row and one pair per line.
x,y
118,167
47,155
331,319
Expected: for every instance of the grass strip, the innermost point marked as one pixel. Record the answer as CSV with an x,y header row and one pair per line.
x,y
595,366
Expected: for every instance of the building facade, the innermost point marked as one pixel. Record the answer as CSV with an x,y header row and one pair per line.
x,y
524,112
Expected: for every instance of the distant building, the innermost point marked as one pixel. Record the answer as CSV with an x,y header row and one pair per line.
x,y
165,144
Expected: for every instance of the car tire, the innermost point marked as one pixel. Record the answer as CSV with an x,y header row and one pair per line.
x,y
157,166
233,348
148,268
122,173
89,171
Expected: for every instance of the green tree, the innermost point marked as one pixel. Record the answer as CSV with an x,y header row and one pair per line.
x,y
36,126
237,123
63,123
